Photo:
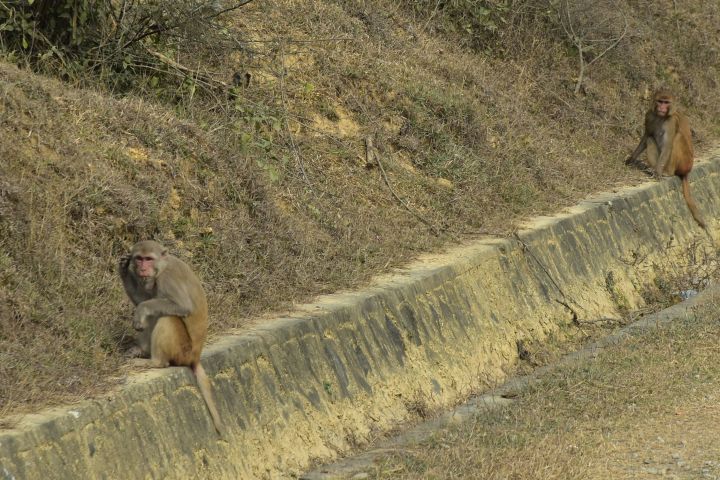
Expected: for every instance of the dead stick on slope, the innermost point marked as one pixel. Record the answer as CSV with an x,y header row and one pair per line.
x,y
371,157
188,71
283,98
565,301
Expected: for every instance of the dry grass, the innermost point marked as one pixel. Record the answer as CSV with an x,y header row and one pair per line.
x,y
270,195
641,409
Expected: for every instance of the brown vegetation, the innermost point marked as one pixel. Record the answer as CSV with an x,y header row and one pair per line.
x,y
271,193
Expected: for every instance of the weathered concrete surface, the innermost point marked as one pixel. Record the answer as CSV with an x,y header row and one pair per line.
x,y
503,396
335,372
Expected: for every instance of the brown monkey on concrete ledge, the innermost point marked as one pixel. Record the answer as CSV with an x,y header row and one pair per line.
x,y
667,138
171,312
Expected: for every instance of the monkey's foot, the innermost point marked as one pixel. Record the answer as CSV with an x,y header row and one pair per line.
x,y
149,363
142,363
136,352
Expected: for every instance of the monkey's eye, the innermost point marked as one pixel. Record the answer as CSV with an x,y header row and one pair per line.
x,y
663,101
144,259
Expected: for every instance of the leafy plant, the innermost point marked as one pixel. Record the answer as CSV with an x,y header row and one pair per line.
x,y
129,43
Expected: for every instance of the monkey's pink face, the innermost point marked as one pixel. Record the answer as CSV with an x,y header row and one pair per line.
x,y
662,107
144,266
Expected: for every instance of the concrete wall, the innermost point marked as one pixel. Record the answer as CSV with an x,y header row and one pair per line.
x,y
338,371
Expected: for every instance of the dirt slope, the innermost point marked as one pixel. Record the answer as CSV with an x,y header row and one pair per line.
x,y
472,121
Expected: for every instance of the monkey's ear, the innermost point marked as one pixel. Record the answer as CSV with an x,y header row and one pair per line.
x,y
164,253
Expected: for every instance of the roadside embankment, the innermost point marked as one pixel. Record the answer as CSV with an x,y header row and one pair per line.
x,y
651,386
338,371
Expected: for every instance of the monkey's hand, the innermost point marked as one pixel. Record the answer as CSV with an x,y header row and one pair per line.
x,y
124,265
632,160
152,309
657,172
141,318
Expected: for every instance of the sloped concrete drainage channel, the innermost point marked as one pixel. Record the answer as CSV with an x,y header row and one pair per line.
x,y
355,467
310,386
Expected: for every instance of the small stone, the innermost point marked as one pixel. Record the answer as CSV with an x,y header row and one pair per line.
x,y
655,471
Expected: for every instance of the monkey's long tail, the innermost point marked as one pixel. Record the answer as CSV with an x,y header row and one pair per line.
x,y
691,202
206,391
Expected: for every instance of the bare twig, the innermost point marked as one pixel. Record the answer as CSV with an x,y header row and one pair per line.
x,y
373,158
194,73
583,44
152,28
614,44
432,15
228,9
289,41
283,98
576,40
565,301
677,17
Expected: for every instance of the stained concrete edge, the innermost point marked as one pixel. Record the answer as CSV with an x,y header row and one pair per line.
x,y
354,466
334,373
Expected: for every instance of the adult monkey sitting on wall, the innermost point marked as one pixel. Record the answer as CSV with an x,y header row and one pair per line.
x,y
171,312
668,141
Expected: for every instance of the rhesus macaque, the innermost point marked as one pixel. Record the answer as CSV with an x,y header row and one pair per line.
x,y
667,138
171,312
